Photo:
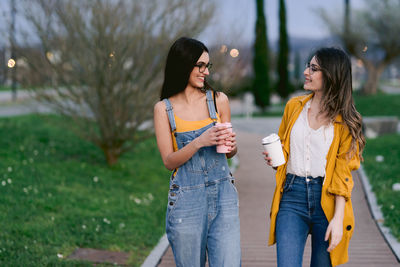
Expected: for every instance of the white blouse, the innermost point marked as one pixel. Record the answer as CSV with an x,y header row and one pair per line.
x,y
308,147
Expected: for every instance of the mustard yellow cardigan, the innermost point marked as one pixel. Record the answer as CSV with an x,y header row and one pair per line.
x,y
338,178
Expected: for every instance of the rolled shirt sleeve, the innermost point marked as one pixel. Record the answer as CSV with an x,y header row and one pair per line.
x,y
342,180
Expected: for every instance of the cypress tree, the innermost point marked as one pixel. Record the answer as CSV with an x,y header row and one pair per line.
x,y
346,17
346,23
283,86
260,60
297,69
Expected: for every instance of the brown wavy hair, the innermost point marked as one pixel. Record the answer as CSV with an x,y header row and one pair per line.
x,y
338,94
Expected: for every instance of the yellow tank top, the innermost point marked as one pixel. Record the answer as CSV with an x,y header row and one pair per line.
x,y
186,126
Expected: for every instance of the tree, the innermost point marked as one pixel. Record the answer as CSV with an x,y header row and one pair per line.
x,y
373,37
13,48
260,61
346,17
283,87
106,59
297,68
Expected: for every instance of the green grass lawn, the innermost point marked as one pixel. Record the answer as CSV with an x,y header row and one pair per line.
x,y
4,88
378,105
382,175
57,194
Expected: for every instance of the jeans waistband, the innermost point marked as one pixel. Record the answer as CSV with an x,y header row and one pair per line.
x,y
308,179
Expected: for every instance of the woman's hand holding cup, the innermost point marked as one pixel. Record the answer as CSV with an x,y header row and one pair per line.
x,y
228,136
230,141
267,159
273,152
213,136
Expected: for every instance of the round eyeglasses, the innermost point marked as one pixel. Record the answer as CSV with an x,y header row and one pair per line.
x,y
202,66
312,67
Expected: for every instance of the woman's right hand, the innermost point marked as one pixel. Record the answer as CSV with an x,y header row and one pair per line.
x,y
213,136
267,159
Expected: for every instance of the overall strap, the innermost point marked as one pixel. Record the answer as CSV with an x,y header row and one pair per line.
x,y
170,114
211,106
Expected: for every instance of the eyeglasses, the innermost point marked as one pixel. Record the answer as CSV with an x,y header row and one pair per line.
x,y
202,66
313,68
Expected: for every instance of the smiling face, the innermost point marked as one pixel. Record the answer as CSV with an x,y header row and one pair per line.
x,y
196,78
313,76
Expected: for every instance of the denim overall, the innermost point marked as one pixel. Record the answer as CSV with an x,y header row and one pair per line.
x,y
203,208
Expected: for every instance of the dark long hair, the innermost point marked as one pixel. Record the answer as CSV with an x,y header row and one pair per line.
x,y
182,57
338,93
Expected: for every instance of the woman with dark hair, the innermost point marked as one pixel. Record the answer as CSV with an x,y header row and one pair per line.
x,y
323,142
202,212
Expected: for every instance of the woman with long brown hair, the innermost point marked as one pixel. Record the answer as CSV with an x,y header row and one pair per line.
x,y
322,141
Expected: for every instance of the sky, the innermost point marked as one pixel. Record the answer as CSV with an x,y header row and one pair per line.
x,y
237,17
234,19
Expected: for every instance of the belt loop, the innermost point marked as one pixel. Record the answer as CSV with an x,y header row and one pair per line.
x,y
292,179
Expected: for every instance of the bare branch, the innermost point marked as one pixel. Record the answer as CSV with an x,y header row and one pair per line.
x,y
105,60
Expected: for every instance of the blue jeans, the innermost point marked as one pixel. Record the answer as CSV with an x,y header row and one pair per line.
x,y
300,213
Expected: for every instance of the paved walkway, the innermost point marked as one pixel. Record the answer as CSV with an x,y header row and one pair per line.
x,y
22,108
390,89
25,104
255,182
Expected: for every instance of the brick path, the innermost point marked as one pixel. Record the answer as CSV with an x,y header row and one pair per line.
x,y
255,182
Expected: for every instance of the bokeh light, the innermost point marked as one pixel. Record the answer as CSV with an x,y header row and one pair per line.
x,y
50,56
11,63
234,52
223,49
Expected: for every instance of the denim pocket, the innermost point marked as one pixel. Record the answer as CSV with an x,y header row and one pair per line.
x,y
235,189
201,160
232,182
188,209
173,199
288,184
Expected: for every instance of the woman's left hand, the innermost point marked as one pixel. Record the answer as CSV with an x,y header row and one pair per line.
x,y
231,141
335,231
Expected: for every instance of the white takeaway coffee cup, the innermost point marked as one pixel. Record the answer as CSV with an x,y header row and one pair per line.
x,y
272,145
